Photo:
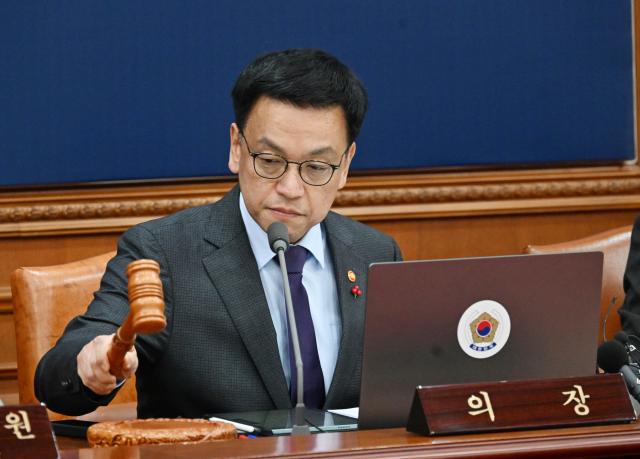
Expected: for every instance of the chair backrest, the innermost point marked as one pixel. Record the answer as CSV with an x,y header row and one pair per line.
x,y
45,299
614,244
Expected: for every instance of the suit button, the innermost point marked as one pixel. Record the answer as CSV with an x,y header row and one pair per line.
x,y
66,384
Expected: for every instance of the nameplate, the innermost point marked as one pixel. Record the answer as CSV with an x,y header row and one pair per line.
x,y
25,432
512,405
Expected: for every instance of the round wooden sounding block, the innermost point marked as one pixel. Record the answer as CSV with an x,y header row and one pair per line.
x,y
158,431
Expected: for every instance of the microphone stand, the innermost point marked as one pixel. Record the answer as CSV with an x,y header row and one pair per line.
x,y
300,426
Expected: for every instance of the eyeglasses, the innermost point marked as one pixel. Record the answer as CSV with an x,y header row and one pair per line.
x,y
271,166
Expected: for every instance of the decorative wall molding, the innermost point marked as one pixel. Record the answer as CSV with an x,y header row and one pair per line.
x,y
426,195
534,190
89,210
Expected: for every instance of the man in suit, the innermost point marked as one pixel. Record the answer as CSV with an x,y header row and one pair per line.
x,y
226,346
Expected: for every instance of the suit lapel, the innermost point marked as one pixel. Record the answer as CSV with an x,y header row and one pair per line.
x,y
234,273
347,371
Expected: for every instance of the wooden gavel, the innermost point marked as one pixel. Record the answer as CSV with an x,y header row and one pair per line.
x,y
146,314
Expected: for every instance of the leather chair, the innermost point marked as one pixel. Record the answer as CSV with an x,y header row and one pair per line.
x,y
45,299
614,244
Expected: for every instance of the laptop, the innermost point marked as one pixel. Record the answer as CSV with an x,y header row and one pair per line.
x,y
473,320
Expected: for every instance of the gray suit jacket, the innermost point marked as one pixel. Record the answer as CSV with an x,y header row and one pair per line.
x,y
218,352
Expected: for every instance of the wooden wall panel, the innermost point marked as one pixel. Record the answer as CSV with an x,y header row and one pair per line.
x,y
495,235
49,250
8,347
8,382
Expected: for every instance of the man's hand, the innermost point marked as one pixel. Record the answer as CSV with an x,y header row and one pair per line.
x,y
93,365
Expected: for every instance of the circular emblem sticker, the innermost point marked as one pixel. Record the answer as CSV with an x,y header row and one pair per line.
x,y
484,329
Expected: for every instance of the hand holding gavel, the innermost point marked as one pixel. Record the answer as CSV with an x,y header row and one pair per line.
x,y
146,314
108,357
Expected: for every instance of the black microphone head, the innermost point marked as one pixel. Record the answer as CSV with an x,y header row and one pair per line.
x,y
622,337
612,356
278,236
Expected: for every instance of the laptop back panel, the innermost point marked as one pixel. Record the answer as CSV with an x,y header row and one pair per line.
x,y
416,309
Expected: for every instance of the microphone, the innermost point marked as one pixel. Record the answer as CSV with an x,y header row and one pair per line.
x,y
278,235
632,351
613,357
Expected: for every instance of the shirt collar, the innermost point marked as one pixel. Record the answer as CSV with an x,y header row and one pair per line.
x,y
313,241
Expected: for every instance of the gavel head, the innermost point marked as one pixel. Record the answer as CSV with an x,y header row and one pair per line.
x,y
146,297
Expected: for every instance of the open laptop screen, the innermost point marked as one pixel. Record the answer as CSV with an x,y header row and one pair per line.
x,y
475,319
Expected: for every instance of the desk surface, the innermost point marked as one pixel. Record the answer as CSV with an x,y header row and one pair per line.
x,y
596,441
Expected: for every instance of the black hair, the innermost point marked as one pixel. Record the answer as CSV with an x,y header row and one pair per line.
x,y
305,78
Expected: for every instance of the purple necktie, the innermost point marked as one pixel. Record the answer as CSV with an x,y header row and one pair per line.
x,y
313,379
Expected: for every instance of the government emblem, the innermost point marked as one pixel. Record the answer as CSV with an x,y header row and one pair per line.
x,y
484,329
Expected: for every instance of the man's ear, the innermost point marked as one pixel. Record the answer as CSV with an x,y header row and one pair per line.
x,y
235,148
346,163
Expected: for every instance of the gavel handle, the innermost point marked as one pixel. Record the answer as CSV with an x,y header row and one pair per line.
x,y
122,342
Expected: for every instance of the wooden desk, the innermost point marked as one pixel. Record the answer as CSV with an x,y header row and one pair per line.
x,y
599,441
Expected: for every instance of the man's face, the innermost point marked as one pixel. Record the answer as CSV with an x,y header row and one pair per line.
x,y
296,134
